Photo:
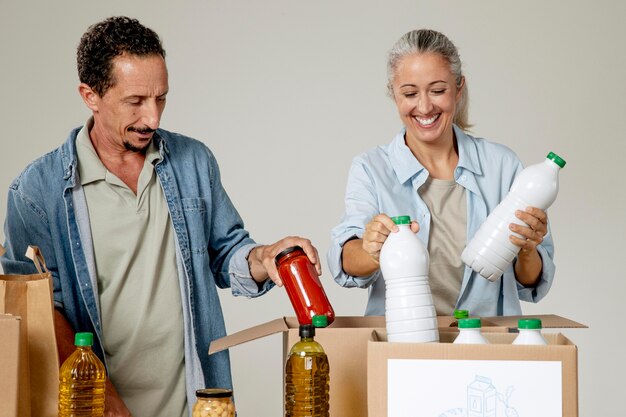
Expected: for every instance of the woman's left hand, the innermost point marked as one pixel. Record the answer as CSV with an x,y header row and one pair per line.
x,y
533,234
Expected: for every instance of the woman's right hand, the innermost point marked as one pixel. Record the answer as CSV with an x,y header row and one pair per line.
x,y
377,231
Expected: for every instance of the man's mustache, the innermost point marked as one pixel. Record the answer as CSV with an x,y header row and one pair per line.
x,y
142,130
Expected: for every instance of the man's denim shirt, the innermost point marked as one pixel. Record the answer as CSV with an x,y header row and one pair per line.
x,y
47,208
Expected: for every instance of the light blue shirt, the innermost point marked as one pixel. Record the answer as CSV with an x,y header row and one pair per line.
x,y
386,180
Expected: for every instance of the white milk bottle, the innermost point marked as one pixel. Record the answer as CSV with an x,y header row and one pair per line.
x,y
469,332
490,252
409,309
529,332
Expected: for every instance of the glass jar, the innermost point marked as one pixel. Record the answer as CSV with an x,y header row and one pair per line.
x,y
303,286
214,402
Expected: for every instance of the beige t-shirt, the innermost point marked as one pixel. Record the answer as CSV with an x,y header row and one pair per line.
x,y
446,201
138,287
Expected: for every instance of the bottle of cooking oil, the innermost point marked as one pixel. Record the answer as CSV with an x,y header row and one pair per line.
x,y
81,381
307,375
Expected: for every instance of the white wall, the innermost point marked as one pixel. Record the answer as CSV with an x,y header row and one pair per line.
x,y
286,92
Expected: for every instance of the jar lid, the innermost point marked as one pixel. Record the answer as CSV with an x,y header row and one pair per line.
x,y
529,324
319,321
214,393
470,323
286,252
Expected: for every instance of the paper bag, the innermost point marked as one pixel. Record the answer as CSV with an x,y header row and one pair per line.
x,y
30,297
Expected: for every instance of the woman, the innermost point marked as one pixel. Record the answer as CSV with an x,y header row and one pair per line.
x,y
447,181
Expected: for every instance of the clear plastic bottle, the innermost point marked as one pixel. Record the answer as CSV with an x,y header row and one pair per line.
x,y
307,375
214,402
529,333
82,381
469,332
409,308
490,252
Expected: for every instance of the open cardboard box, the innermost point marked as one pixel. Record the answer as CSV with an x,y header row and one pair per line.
x,y
9,359
345,342
499,379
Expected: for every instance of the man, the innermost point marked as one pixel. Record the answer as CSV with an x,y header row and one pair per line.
x,y
138,232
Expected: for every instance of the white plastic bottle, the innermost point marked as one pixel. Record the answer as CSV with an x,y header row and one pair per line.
x,y
490,252
469,332
529,333
409,309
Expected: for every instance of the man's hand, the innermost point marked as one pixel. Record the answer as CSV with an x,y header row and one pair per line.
x,y
113,404
261,258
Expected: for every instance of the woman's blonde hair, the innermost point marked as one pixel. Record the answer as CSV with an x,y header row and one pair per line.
x,y
424,41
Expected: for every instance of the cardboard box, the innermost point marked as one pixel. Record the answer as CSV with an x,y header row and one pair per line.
x,y
498,379
345,344
9,359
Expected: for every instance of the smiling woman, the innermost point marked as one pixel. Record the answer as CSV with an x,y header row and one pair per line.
x,y
447,180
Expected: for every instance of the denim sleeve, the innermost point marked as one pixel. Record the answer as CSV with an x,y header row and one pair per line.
x,y
536,293
241,280
226,228
361,206
26,224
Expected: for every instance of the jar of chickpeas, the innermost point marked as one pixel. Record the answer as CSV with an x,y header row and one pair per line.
x,y
214,402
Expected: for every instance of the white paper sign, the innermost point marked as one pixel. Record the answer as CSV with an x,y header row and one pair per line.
x,y
476,388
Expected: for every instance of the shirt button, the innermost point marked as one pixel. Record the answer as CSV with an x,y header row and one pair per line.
x,y
463,178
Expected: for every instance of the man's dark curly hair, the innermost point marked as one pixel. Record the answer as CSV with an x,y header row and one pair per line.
x,y
104,41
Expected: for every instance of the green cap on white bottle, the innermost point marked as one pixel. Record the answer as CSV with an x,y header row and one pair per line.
x,y
557,159
401,219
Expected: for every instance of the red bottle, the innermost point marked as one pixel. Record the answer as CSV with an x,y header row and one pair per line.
x,y
303,286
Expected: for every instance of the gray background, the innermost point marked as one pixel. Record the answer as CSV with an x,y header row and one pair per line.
x,y
286,92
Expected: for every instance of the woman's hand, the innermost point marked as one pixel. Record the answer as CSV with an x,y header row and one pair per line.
x,y
377,231
533,234
529,264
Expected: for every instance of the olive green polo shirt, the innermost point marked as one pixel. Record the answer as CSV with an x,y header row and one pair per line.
x,y
138,286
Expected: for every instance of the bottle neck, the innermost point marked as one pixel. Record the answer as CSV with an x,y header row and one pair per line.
x,y
553,165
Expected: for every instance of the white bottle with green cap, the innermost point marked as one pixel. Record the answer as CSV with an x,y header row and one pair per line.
x,y
469,332
529,332
409,309
490,252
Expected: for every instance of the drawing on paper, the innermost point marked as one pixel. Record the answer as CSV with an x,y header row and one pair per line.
x,y
482,399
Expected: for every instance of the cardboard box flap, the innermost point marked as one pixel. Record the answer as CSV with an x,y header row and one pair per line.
x,y
256,332
548,321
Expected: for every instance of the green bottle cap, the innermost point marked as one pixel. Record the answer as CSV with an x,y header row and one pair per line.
x,y
461,314
557,159
532,324
470,323
401,219
320,321
83,339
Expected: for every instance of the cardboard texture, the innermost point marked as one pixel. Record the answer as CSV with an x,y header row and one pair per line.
x,y
345,343
500,349
30,297
9,357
